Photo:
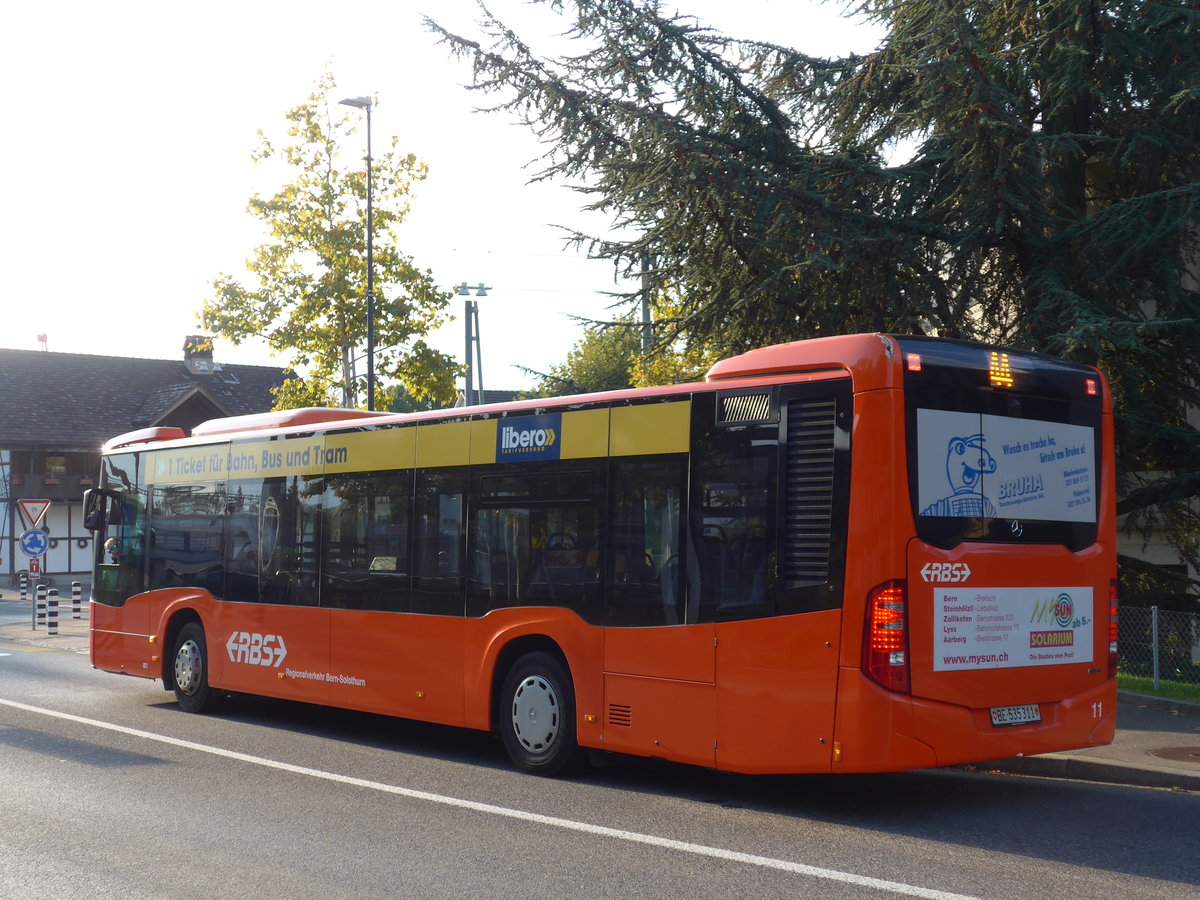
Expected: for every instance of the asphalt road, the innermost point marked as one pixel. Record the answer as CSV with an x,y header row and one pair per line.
x,y
108,790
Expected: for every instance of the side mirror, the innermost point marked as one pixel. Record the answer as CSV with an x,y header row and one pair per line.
x,y
93,509
102,508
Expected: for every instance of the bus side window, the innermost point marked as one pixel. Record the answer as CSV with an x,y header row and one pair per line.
x,y
733,517
271,534
536,537
366,564
439,507
185,543
645,556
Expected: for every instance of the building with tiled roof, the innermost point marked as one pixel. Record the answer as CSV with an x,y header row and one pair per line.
x,y
57,409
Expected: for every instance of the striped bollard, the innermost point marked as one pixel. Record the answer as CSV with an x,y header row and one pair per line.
x,y
52,612
24,578
39,607
76,600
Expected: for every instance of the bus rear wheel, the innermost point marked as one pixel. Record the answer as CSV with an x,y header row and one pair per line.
x,y
537,716
191,670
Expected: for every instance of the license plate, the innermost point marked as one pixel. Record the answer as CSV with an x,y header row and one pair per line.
x,y
1016,715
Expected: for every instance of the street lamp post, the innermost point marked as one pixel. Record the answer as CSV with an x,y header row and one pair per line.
x,y
365,103
473,347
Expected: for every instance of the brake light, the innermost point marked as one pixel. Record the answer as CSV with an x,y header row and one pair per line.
x,y
1091,387
885,638
1112,629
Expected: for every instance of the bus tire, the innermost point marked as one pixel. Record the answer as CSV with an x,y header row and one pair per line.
x,y
190,660
537,716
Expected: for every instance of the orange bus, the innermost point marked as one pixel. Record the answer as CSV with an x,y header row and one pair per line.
x,y
851,554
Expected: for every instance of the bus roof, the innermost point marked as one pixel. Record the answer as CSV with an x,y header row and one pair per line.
x,y
869,357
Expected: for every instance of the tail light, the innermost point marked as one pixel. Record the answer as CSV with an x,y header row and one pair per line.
x,y
885,638
1112,629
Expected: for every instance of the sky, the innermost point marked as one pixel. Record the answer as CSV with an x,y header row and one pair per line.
x,y
127,156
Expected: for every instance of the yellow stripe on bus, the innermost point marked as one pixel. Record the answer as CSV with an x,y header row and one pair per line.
x,y
590,433
584,434
447,444
363,451
650,428
483,442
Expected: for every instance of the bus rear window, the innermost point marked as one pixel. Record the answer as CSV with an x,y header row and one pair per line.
x,y
1001,452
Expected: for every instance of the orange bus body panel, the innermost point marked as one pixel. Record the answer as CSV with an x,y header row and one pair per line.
x,y
658,692
992,570
777,680
276,651
397,665
880,515
119,638
875,728
660,717
868,356
963,735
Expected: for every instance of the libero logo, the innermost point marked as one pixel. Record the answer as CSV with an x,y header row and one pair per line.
x,y
529,437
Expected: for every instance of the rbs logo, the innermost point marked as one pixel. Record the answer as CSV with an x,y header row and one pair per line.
x,y
529,437
946,573
256,649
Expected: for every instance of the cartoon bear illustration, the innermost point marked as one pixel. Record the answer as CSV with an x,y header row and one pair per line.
x,y
967,461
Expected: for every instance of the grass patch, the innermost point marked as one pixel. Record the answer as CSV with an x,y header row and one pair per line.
x,y
1171,690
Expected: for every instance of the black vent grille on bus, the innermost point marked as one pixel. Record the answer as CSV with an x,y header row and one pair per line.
x,y
620,715
745,408
809,492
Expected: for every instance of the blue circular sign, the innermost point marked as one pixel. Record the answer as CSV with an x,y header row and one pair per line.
x,y
34,542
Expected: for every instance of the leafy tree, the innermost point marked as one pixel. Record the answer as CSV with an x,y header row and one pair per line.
x,y
602,360
401,401
671,359
1025,172
609,356
306,294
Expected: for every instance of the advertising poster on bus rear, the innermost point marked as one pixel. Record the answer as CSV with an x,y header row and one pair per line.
x,y
1002,628
972,465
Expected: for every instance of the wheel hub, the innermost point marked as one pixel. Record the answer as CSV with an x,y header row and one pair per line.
x,y
535,714
188,669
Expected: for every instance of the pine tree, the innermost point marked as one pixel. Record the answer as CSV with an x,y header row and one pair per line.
x,y
1024,172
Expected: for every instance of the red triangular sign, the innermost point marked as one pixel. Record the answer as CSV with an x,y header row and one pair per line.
x,y
33,511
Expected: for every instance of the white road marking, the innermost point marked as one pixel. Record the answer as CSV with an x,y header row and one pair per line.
x,y
765,862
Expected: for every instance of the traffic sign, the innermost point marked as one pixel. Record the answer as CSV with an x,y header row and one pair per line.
x,y
34,542
33,511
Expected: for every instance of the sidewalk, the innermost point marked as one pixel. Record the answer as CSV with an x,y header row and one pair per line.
x,y
1157,742
72,633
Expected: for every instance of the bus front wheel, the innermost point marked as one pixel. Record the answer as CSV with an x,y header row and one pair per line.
x,y
191,670
537,716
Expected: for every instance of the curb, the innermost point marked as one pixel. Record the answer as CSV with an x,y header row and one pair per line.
x,y
1072,767
1178,707
1067,765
